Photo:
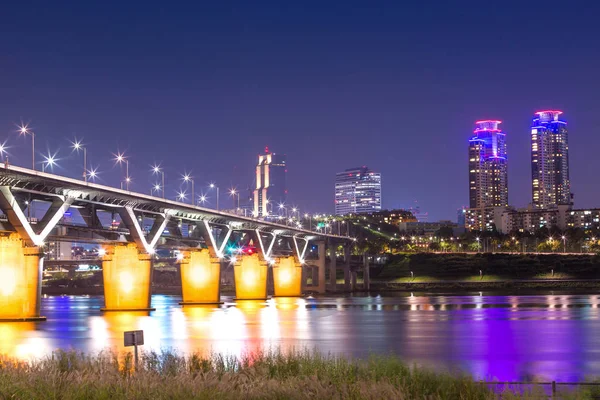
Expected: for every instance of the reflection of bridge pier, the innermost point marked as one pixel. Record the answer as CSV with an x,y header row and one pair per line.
x,y
131,228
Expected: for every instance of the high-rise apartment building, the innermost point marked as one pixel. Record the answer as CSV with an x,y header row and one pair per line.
x,y
357,190
488,177
549,160
271,188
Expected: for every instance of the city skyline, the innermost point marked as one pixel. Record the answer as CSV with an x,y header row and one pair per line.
x,y
399,97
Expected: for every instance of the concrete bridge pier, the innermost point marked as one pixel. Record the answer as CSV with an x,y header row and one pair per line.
x,y
349,281
287,277
20,280
200,278
127,276
250,274
320,267
366,273
332,268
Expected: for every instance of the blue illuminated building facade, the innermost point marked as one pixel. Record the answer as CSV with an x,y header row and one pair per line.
x,y
550,161
488,178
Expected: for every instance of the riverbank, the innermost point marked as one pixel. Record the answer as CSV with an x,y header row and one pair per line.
x,y
263,375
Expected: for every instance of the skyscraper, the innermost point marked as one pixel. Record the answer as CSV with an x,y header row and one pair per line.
x,y
488,178
549,160
271,188
357,190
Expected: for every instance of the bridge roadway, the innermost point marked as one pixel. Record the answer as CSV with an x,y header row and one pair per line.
x,y
127,248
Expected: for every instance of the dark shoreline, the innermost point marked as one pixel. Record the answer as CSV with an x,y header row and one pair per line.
x,y
382,287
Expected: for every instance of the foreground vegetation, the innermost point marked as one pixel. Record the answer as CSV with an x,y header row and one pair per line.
x,y
269,375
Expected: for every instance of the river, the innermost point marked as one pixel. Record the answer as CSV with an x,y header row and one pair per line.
x,y
551,336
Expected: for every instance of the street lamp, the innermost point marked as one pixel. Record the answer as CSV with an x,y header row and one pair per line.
x,y
187,178
93,172
181,196
233,192
564,239
120,159
213,186
477,239
49,161
76,145
2,149
24,130
202,199
156,169
283,207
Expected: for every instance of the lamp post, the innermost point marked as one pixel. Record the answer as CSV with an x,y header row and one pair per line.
x,y
233,192
477,239
564,239
213,186
156,169
120,159
2,150
76,145
24,130
187,178
283,208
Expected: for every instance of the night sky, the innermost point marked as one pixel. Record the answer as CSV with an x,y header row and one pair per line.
x,y
395,86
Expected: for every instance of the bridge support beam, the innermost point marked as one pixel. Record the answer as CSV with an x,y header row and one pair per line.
x,y
366,273
20,280
127,276
332,268
287,277
321,261
250,274
347,273
200,278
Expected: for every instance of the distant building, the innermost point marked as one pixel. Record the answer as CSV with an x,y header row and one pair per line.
x,y
488,176
394,217
271,185
549,160
357,191
461,216
428,228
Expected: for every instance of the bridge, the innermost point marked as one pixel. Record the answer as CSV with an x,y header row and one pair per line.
x,y
131,227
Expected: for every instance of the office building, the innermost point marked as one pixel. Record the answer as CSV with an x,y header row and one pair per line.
x,y
488,177
549,161
271,187
357,191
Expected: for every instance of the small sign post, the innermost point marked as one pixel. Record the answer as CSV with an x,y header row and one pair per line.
x,y
135,339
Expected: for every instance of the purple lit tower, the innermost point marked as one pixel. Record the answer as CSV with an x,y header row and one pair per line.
x,y
488,178
550,160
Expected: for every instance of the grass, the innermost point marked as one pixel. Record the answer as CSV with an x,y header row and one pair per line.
x,y
264,375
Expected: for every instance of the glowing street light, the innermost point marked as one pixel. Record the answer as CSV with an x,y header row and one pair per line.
x,y
213,186
564,239
49,161
202,199
76,145
187,178
2,149
181,196
93,173
120,159
156,169
233,192
24,131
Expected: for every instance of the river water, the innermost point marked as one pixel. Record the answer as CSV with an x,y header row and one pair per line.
x,y
551,336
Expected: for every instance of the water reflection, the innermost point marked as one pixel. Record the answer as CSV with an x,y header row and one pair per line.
x,y
549,336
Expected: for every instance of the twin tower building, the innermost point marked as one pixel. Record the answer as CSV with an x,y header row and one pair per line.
x,y
488,175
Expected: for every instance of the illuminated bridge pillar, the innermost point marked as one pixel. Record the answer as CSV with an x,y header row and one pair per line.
x,y
200,278
20,280
287,277
250,278
127,276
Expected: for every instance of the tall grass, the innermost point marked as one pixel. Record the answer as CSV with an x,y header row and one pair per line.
x,y
263,375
